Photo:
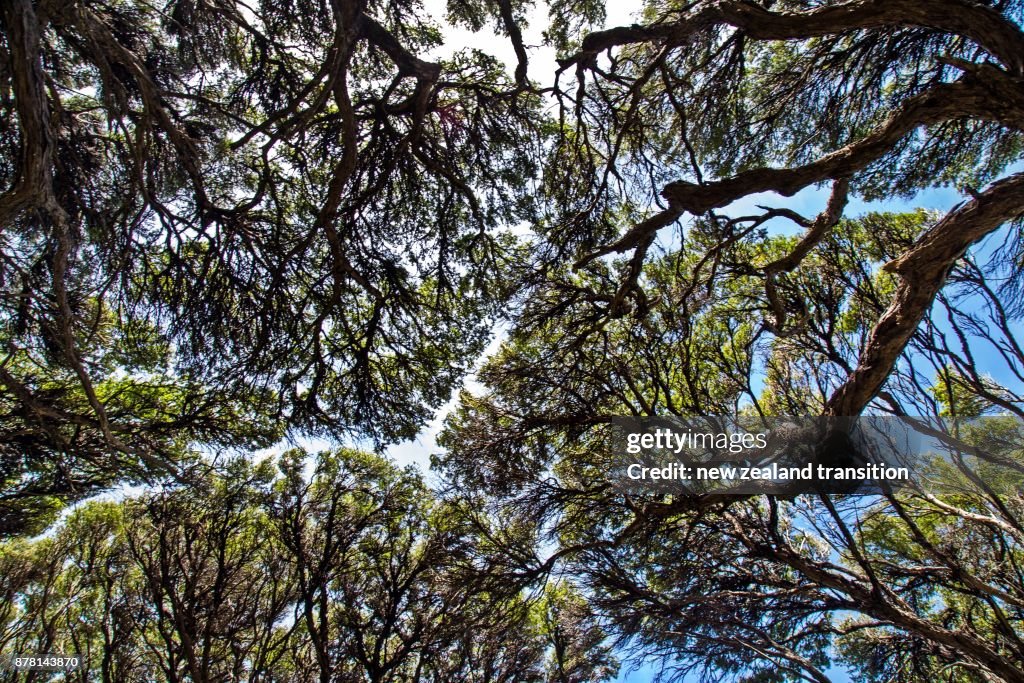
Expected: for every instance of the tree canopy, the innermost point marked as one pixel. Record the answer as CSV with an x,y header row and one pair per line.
x,y
227,223
281,210
353,574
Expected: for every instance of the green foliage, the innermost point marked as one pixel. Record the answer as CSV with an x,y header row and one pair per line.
x,y
350,572
256,220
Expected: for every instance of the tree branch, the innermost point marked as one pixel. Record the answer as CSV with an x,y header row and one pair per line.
x,y
922,272
983,25
1000,99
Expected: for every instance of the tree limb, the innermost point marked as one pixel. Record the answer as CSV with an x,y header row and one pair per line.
x,y
922,272
983,25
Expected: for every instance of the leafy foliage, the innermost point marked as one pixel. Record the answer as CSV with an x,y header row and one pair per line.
x,y
280,209
352,573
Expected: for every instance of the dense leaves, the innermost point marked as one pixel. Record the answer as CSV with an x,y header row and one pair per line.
x,y
280,209
352,573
